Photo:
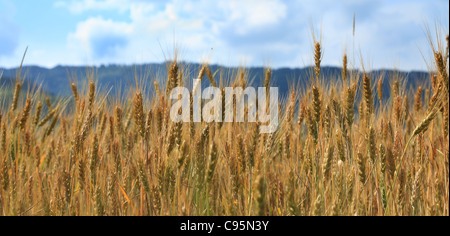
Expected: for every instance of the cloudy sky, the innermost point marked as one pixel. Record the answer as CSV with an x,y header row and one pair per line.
x,y
229,32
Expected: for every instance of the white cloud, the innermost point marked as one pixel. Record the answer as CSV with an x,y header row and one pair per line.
x,y
197,25
253,14
253,31
101,38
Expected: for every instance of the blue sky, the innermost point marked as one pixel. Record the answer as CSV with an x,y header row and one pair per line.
x,y
250,32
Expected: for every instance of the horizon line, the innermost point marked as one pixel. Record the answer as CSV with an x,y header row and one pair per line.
x,y
215,64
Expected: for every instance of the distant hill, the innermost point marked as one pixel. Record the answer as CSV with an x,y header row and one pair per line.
x,y
115,78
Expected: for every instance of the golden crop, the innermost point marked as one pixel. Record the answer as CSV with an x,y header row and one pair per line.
x,y
333,154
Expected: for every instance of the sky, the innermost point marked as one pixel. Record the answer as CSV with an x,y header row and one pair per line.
x,y
275,33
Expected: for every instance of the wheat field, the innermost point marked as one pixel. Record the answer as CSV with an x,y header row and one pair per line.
x,y
335,152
